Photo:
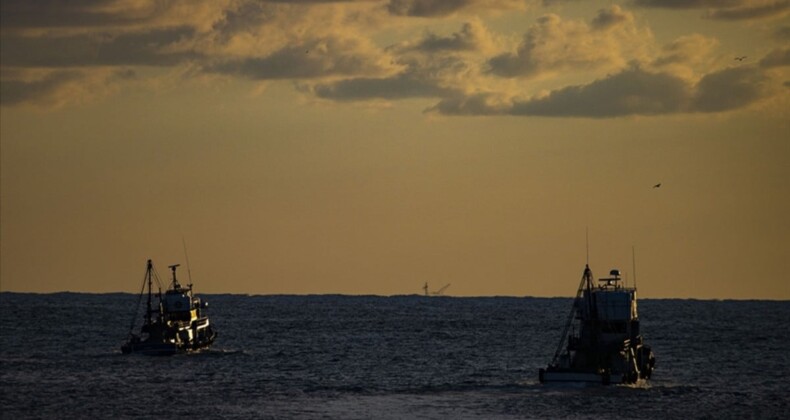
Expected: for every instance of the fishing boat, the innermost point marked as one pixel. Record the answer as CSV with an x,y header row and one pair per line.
x,y
176,324
601,342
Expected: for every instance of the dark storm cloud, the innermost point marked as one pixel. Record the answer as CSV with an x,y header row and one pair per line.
x,y
631,92
96,49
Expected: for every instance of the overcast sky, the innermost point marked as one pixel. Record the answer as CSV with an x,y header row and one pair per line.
x,y
370,146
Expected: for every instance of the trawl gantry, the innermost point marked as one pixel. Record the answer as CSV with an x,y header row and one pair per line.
x,y
601,342
178,324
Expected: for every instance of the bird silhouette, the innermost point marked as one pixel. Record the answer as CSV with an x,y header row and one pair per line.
x,y
657,185
740,58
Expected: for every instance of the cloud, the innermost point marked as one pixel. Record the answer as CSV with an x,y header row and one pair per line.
x,y
24,15
611,17
59,87
631,92
687,4
430,66
687,56
23,91
317,58
426,8
473,37
80,16
335,50
427,75
779,57
442,8
749,12
685,49
553,44
477,104
251,39
147,49
402,86
782,33
729,89
725,9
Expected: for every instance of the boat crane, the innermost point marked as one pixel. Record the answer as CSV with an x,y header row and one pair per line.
x,y
437,292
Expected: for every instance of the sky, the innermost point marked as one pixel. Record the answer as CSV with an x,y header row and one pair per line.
x,y
373,146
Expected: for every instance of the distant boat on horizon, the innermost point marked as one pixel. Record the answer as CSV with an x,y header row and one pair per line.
x,y
435,293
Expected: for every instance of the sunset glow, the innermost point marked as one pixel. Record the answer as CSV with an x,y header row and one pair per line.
x,y
371,146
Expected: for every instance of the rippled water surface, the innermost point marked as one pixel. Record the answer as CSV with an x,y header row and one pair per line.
x,y
355,357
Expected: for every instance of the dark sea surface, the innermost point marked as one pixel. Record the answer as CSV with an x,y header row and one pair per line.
x,y
367,357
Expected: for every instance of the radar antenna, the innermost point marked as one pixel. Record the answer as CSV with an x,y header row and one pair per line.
x,y
175,281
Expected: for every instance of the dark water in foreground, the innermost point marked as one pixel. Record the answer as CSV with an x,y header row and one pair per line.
x,y
383,358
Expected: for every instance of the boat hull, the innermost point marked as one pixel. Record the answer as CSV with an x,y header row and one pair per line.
x,y
150,349
176,324
158,348
579,377
601,342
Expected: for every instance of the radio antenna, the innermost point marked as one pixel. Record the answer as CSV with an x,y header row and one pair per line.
x,y
633,263
587,242
186,256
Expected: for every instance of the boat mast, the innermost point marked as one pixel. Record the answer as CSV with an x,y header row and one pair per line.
x,y
149,273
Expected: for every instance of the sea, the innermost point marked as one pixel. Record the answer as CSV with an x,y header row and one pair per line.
x,y
374,357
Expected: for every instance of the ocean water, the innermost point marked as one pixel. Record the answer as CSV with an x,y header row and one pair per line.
x,y
368,357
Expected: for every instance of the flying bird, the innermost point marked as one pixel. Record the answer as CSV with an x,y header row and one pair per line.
x,y
740,58
657,185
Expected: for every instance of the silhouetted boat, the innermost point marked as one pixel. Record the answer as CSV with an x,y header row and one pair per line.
x,y
601,342
178,323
